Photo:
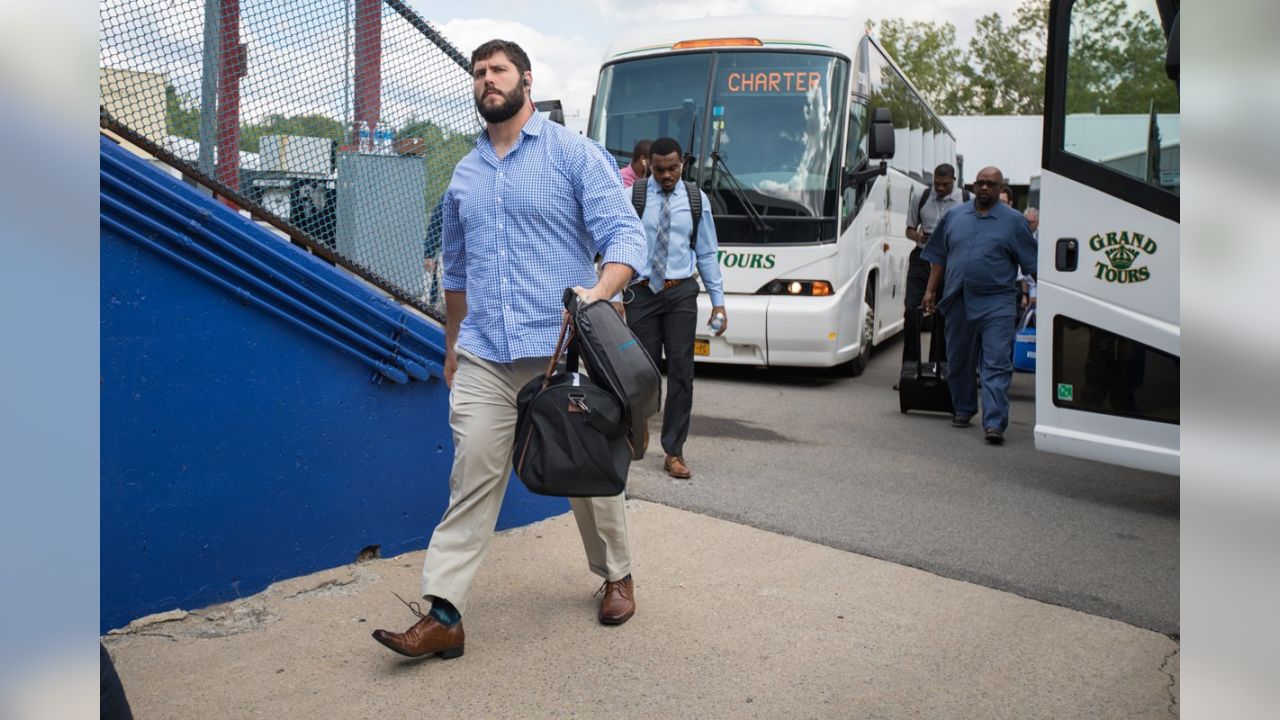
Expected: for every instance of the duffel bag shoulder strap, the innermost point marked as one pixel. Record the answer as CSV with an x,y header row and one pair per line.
x,y
566,337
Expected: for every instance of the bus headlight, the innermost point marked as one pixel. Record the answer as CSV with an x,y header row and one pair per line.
x,y
815,288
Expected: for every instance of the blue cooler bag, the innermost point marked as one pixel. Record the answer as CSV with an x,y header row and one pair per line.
x,y
1024,343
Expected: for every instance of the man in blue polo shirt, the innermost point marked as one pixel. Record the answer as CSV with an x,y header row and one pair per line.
x,y
978,246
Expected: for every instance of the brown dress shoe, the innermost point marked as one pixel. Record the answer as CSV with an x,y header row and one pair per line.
x,y
427,636
619,602
676,468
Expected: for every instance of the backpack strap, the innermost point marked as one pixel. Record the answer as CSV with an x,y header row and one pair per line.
x,y
695,209
639,194
924,197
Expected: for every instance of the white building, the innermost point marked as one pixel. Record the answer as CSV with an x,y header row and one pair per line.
x,y
1010,142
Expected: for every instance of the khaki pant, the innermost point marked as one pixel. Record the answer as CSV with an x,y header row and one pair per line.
x,y
482,413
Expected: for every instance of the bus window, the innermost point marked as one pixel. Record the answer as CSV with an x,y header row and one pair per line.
x,y
927,162
1099,371
896,96
659,97
855,156
1121,107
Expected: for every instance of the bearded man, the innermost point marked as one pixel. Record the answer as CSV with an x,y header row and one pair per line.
x,y
524,217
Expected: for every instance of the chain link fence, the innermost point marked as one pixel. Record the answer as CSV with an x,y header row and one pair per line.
x,y
338,121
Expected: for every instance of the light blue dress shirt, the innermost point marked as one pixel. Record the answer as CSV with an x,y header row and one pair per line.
x,y
680,257
519,230
981,253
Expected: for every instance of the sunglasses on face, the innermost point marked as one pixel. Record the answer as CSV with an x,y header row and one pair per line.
x,y
983,183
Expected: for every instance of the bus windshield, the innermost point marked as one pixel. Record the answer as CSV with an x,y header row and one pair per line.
x,y
774,130
762,126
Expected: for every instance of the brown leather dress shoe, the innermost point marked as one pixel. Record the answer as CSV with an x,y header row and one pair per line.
x,y
676,468
427,636
619,602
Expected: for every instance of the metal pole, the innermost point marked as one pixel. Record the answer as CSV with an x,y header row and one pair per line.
x,y
346,71
231,67
425,28
368,69
209,85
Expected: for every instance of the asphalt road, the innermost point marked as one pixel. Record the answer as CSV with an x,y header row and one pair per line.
x,y
832,460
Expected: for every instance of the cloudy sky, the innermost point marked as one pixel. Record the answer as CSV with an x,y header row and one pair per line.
x,y
566,40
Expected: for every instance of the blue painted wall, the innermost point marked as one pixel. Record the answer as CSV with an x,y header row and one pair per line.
x,y
238,450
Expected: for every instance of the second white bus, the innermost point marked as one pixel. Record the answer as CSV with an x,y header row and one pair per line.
x,y
778,118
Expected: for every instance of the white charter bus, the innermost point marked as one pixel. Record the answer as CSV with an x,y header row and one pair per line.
x,y
1109,330
786,123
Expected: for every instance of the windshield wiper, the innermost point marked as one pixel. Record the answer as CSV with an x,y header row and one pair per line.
x,y
735,187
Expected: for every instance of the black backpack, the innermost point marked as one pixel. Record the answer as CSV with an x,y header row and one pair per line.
x,y
924,196
571,434
640,193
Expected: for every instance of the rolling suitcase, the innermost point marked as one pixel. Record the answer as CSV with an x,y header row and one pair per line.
x,y
923,383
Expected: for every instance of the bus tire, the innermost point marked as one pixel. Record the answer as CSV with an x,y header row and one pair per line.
x,y
858,364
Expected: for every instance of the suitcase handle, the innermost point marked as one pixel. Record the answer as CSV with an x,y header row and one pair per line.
x,y
1027,318
935,338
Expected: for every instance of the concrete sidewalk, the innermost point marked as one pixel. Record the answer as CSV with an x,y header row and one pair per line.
x,y
732,622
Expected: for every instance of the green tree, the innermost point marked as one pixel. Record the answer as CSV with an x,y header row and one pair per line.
x,y
182,117
442,151
1143,78
1005,72
1115,61
928,54
1001,72
313,125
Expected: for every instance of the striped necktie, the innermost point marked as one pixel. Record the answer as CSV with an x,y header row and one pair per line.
x,y
659,274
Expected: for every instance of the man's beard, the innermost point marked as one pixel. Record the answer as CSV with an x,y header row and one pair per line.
x,y
511,104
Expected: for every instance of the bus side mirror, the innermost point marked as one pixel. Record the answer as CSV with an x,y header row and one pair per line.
x,y
553,109
880,140
1171,59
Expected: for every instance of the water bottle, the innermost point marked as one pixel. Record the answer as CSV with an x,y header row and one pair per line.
x,y
717,322
382,139
366,137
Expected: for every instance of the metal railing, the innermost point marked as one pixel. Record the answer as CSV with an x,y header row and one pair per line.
x,y
337,121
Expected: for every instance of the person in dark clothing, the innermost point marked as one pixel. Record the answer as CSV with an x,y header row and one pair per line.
x,y
923,216
978,247
662,303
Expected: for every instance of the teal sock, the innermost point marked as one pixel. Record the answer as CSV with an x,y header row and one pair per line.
x,y
444,612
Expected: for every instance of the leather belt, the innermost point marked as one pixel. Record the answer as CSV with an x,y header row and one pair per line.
x,y
666,285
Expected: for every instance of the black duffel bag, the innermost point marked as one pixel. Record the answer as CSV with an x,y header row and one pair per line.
x,y
571,434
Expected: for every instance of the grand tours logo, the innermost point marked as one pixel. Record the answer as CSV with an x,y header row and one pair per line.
x,y
1122,250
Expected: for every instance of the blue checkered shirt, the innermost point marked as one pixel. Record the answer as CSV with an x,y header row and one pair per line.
x,y
519,230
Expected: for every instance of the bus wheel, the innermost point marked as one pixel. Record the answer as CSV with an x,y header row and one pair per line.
x,y
858,364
